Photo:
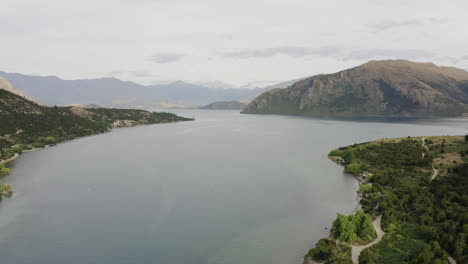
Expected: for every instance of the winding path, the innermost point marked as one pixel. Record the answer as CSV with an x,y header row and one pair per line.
x,y
436,172
356,250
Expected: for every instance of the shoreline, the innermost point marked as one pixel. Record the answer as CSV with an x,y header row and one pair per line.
x,y
362,175
17,155
359,178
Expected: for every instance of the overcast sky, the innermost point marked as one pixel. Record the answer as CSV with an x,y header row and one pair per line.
x,y
235,42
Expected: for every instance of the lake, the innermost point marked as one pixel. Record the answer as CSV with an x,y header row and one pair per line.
x,y
224,189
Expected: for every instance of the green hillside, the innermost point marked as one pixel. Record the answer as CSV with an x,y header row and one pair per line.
x,y
419,186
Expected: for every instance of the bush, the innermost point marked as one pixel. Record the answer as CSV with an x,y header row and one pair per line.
x,y
353,168
323,249
331,253
3,170
336,153
365,188
354,228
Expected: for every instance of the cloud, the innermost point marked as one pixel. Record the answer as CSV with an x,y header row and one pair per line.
x,y
438,20
388,24
288,51
166,57
333,52
125,74
367,54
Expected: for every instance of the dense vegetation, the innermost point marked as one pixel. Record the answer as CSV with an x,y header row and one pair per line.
x,y
5,189
26,125
354,228
425,217
330,252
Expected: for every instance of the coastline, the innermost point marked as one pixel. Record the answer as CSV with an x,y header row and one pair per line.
x,y
17,155
5,162
429,155
360,180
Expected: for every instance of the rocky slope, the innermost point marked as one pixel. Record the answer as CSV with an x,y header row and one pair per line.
x,y
391,87
6,85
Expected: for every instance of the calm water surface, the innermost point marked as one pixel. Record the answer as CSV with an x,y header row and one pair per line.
x,y
227,188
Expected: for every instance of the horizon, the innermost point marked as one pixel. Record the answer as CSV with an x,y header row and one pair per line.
x,y
151,42
212,84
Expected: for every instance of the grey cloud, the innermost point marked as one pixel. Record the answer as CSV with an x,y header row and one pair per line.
x,y
438,19
123,73
335,52
142,74
289,51
166,57
388,24
367,54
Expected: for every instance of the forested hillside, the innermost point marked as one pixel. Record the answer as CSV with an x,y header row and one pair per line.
x,y
25,124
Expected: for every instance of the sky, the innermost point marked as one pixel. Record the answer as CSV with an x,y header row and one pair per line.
x,y
235,42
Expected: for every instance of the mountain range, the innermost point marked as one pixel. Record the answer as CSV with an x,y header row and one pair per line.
x,y
112,92
389,87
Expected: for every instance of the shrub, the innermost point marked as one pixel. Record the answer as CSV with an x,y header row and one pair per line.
x,y
323,249
354,228
353,168
336,153
3,170
365,188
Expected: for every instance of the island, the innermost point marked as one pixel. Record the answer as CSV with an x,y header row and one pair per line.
x,y
413,200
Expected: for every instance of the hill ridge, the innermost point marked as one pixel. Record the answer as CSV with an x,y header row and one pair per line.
x,y
390,87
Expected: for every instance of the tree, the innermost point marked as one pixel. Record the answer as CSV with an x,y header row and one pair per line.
x,y
353,168
365,229
343,229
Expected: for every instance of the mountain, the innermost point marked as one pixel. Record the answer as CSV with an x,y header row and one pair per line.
x,y
5,85
390,87
225,105
284,84
26,124
112,92
271,87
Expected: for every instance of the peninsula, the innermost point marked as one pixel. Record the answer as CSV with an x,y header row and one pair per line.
x,y
416,190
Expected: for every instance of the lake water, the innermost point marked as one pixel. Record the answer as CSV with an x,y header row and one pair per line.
x,y
224,189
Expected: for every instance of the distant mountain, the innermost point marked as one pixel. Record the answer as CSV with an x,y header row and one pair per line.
x,y
391,87
114,92
225,105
